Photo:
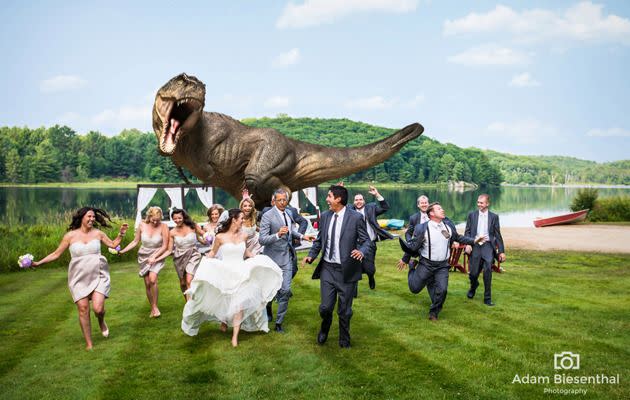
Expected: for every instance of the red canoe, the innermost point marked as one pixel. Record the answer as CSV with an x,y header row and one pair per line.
x,y
561,219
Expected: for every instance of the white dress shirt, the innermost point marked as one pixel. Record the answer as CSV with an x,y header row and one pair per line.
x,y
289,224
440,250
423,217
336,258
370,230
482,224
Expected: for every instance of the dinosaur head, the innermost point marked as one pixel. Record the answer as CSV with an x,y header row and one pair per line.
x,y
177,108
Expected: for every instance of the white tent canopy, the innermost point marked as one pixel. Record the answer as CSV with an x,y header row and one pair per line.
x,y
175,193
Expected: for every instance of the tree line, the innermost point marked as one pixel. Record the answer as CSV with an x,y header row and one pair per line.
x,y
59,154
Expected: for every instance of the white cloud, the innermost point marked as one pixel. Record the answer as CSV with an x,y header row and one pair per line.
x,y
490,54
528,131
318,12
523,80
612,132
371,103
277,102
62,83
582,22
291,57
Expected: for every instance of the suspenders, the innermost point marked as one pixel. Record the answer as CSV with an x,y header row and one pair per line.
x,y
429,238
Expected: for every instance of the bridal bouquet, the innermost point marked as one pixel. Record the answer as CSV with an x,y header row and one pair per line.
x,y
25,261
209,238
114,250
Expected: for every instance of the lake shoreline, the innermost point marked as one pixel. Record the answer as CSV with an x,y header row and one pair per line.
x,y
569,186
599,238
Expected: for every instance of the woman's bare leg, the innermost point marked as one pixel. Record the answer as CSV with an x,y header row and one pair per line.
x,y
151,284
183,286
83,306
236,328
189,279
98,306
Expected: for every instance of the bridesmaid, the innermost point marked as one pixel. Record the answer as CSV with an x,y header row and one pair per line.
x,y
154,237
181,243
214,212
88,272
248,207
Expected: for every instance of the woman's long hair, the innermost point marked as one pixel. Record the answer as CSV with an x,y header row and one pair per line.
x,y
187,220
101,218
251,220
227,224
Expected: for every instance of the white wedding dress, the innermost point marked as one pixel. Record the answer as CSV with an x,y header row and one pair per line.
x,y
225,285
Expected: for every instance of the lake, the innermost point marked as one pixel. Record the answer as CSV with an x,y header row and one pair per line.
x,y
517,206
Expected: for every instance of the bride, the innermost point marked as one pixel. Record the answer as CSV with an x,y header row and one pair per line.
x,y
230,289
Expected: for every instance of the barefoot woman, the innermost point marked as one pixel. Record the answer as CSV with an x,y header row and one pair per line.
x,y
88,272
153,234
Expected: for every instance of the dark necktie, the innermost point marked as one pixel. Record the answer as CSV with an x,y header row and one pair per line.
x,y
284,215
332,239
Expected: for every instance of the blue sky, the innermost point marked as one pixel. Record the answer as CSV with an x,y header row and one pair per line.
x,y
529,77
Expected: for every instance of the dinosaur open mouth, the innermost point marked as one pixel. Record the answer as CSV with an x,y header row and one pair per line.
x,y
181,115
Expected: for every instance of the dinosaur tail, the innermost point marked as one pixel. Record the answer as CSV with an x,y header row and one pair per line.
x,y
319,163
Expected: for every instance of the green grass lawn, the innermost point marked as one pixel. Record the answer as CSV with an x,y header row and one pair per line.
x,y
546,303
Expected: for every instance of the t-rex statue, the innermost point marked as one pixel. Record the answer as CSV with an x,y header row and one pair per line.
x,y
223,152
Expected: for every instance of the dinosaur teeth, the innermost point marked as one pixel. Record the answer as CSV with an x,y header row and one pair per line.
x,y
182,101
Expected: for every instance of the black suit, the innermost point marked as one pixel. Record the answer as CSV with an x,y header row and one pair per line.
x,y
483,255
371,211
414,220
431,272
339,280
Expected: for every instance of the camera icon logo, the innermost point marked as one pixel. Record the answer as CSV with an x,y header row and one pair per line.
x,y
566,360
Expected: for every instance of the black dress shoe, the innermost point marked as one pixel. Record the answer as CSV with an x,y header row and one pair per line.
x,y
433,317
322,337
470,294
489,303
372,282
279,329
344,345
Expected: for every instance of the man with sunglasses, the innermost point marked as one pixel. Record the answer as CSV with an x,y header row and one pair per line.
x,y
432,241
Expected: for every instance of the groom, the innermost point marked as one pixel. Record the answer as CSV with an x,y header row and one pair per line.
x,y
276,235
343,241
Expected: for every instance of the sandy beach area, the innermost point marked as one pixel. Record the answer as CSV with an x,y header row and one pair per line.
x,y
586,237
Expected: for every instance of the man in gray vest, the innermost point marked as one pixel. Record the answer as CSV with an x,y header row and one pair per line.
x,y
432,241
276,235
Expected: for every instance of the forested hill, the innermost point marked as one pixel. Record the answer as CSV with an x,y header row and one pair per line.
x,y
427,160
60,154
557,170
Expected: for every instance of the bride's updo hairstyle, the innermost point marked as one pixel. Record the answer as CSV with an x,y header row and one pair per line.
x,y
232,215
